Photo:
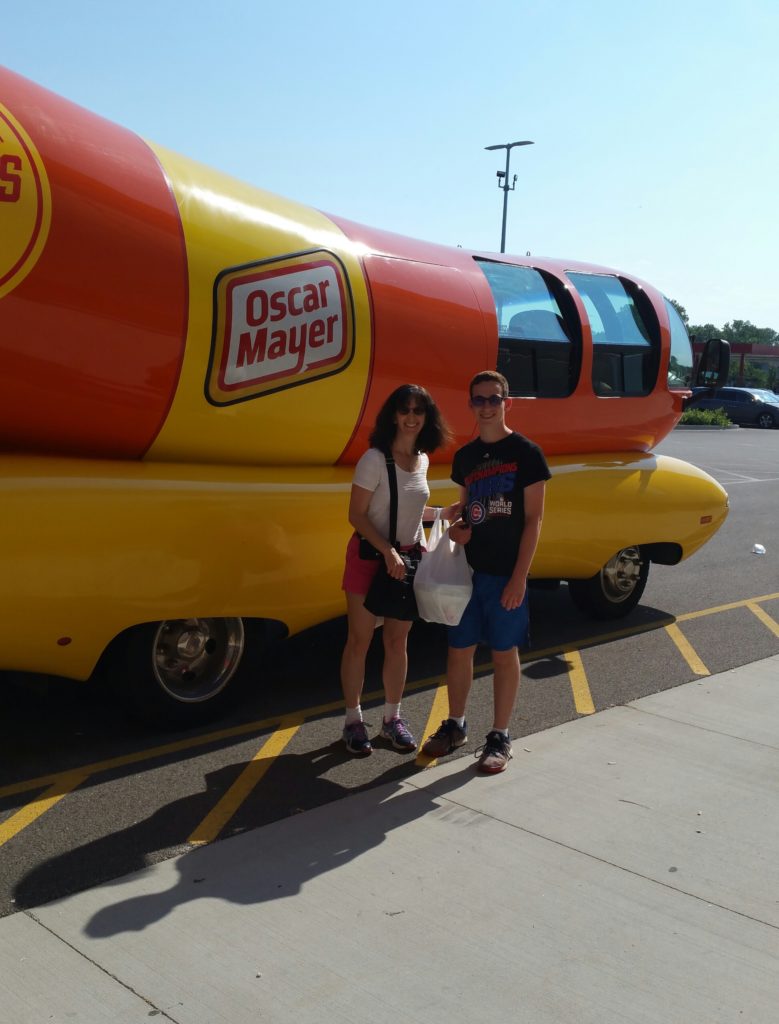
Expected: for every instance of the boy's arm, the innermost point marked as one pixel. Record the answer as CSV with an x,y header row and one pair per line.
x,y
514,591
460,531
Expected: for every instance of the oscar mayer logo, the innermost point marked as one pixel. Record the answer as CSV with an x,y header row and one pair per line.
x,y
277,324
25,203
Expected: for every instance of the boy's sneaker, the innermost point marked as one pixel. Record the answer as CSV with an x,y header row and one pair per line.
x,y
399,735
356,739
445,739
496,753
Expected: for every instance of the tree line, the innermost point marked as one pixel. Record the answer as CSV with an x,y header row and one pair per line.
x,y
735,331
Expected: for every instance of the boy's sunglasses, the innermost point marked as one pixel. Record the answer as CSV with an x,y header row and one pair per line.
x,y
480,400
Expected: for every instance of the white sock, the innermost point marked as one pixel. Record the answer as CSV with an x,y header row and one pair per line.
x,y
460,721
503,732
391,711
353,715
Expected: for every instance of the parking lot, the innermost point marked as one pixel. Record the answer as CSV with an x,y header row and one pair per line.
x,y
88,796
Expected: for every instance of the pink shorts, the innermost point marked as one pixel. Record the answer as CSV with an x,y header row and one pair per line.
x,y
359,572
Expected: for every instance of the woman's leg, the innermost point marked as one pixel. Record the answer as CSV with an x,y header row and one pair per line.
x,y
361,626
394,728
395,659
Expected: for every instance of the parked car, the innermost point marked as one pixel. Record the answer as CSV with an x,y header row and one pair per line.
x,y
745,406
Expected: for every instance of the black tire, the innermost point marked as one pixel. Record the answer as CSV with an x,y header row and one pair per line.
x,y
614,591
177,672
766,420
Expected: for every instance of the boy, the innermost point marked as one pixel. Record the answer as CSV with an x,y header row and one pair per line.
x,y
502,478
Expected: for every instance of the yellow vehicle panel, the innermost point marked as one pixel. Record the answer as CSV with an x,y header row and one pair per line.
x,y
229,224
100,546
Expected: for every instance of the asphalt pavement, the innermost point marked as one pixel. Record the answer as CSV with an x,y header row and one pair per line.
x,y
624,870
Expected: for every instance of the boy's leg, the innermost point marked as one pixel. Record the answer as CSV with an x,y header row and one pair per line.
x,y
507,630
463,641
505,686
496,753
459,678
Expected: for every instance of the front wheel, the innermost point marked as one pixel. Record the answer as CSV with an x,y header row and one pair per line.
x,y
614,591
178,671
766,420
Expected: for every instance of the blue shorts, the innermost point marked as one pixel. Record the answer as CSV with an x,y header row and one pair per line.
x,y
486,621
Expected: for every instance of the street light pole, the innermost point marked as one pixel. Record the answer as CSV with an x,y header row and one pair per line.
x,y
503,182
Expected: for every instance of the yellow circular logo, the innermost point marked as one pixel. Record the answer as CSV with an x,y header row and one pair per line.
x,y
25,203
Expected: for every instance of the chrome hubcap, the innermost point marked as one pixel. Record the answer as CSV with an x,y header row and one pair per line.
x,y
193,659
620,575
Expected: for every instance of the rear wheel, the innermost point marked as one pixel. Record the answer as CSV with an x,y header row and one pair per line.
x,y
178,671
614,591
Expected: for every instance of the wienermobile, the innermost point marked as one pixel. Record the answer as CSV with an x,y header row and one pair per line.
x,y
191,366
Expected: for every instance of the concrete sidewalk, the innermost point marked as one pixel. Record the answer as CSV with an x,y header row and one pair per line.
x,y
624,870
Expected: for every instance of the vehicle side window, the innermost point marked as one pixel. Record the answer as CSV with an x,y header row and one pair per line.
x,y
681,361
625,335
539,334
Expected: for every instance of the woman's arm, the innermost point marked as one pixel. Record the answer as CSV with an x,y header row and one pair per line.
x,y
359,500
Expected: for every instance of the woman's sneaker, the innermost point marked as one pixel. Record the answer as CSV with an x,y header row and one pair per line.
x,y
446,739
356,739
399,735
496,753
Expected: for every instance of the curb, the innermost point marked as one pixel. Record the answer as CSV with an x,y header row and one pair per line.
x,y
705,426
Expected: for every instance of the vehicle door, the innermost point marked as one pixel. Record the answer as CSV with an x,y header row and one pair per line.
x,y
729,400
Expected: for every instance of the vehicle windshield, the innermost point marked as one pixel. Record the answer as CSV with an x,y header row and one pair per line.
x,y
765,396
681,361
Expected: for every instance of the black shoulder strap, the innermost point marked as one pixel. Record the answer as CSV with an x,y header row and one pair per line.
x,y
393,489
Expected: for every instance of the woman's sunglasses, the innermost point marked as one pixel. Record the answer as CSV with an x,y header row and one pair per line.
x,y
480,400
416,410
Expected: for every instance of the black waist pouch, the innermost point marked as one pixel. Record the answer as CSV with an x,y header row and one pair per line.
x,y
368,552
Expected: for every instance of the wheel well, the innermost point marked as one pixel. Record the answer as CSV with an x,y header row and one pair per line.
x,y
263,633
664,552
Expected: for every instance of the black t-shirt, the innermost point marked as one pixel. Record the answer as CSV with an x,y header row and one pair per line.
x,y
496,474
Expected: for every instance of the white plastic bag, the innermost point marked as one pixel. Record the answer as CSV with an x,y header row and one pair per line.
x,y
442,584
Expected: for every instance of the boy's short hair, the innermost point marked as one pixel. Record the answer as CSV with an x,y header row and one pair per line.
x,y
493,377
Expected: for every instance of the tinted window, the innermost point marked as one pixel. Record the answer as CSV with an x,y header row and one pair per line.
x,y
766,396
681,361
625,335
539,336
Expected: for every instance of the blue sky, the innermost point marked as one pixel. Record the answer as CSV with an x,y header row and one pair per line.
x,y
654,125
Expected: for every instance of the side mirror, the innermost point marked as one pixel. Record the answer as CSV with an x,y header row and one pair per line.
x,y
713,366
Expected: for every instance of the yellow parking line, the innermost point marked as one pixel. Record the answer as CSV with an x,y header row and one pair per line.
x,y
65,784
685,616
438,712
219,815
582,698
764,617
687,651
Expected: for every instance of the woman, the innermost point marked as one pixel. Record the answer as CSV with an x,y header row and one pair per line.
x,y
408,427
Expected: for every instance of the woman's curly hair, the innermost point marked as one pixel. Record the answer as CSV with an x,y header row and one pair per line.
x,y
434,433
